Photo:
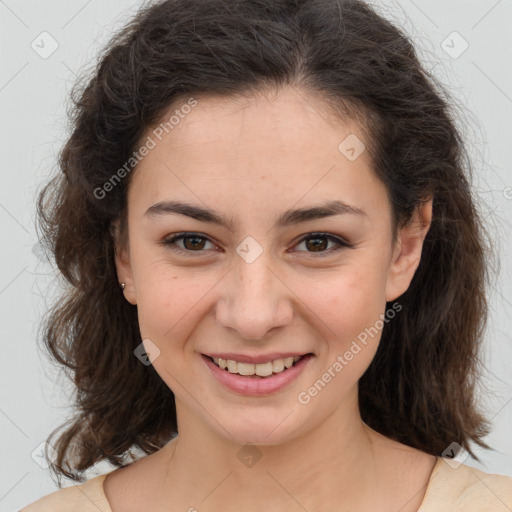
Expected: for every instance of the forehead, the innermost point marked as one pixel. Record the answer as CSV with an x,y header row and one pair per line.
x,y
263,151
288,118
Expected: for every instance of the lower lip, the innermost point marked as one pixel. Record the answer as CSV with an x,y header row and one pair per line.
x,y
255,386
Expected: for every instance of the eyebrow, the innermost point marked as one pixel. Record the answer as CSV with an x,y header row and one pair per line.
x,y
288,218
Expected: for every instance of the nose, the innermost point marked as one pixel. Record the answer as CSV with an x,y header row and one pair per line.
x,y
255,300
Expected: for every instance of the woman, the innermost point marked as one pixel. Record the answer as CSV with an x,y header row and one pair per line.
x,y
277,270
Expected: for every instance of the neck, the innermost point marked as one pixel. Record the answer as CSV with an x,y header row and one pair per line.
x,y
334,459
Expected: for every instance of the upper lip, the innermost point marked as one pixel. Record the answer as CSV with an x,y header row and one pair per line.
x,y
256,359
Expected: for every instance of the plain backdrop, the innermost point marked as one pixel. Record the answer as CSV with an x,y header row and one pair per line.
x,y
466,44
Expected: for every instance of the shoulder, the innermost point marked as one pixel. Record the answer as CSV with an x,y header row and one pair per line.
x,y
458,488
85,497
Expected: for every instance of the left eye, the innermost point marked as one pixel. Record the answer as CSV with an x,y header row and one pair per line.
x,y
194,242
321,241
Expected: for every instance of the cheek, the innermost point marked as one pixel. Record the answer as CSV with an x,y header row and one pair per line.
x,y
167,297
349,304
349,300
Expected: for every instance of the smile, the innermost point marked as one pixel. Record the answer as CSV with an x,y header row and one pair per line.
x,y
257,379
260,370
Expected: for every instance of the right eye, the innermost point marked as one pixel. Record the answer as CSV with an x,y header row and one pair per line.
x,y
192,242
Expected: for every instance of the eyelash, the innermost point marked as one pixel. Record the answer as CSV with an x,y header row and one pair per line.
x,y
342,244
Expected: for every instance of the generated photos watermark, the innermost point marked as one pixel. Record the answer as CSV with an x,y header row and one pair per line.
x,y
150,143
304,397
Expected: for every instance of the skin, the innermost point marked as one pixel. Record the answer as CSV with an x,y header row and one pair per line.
x,y
252,158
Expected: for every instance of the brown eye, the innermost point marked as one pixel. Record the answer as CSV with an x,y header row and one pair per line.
x,y
192,242
315,243
318,243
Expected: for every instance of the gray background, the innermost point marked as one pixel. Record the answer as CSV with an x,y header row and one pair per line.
x,y
34,395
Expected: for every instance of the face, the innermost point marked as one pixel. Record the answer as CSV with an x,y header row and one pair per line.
x,y
254,281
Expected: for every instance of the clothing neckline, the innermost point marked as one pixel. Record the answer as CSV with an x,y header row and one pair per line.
x,y
435,471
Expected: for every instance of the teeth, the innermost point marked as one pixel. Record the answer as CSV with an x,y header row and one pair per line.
x,y
246,368
278,365
262,369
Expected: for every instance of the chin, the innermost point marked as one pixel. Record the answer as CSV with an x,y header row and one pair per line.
x,y
258,429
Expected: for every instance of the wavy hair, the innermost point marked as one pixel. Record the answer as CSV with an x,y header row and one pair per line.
x,y
420,387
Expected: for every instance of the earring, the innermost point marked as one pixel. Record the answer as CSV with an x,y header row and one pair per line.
x,y
122,286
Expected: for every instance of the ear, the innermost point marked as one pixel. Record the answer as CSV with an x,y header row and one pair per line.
x,y
122,262
407,251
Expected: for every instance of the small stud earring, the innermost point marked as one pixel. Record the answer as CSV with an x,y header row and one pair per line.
x,y
122,286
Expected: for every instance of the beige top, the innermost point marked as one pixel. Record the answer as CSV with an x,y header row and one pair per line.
x,y
463,489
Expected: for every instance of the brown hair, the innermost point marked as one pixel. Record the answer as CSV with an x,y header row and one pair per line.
x,y
420,387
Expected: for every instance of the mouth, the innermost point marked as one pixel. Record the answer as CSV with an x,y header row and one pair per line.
x,y
262,370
